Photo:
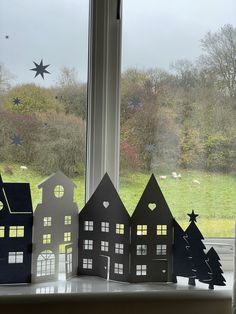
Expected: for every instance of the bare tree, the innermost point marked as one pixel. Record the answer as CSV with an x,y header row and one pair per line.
x,y
220,57
5,78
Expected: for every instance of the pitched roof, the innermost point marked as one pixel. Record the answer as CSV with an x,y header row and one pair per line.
x,y
152,202
18,197
105,193
57,177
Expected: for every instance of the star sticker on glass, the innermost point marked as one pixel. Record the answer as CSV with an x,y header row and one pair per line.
x,y
193,216
40,69
16,101
16,140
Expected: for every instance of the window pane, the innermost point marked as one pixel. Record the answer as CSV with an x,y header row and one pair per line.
x,y
43,78
178,108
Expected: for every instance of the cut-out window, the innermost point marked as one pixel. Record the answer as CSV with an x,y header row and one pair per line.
x,y
141,270
119,248
46,264
15,257
120,228
59,191
2,232
118,269
141,249
161,249
16,231
161,229
88,225
1,205
141,229
47,221
87,263
104,246
47,238
67,220
67,236
105,226
88,244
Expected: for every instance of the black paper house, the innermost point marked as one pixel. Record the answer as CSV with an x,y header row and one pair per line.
x,y
104,235
16,219
55,240
151,237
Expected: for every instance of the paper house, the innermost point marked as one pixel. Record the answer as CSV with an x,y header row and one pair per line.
x,y
16,219
104,235
151,237
55,236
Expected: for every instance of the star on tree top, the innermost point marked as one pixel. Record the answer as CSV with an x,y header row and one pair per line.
x,y
193,217
40,69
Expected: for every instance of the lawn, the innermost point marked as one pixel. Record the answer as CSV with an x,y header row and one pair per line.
x,y
213,198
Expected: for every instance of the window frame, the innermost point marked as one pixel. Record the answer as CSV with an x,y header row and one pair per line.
x,y
103,110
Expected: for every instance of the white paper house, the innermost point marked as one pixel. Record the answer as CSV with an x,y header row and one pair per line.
x,y
55,234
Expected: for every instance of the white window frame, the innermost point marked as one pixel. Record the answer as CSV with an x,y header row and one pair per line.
x,y
103,118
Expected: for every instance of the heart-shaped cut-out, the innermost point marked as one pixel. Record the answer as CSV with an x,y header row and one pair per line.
x,y
106,204
152,206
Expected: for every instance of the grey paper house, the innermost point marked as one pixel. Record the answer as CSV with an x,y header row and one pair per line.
x,y
151,237
55,239
16,219
104,235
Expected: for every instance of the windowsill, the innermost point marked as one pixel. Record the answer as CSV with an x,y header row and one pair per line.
x,y
94,285
96,295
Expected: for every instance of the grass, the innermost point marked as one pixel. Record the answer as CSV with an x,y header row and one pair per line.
x,y
213,199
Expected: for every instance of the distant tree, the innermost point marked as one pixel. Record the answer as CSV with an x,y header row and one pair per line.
x,y
219,57
186,72
67,77
71,93
203,271
213,261
30,99
5,78
182,260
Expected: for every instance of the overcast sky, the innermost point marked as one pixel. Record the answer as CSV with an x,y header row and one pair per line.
x,y
155,33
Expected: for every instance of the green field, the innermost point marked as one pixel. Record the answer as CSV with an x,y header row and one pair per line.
x,y
213,199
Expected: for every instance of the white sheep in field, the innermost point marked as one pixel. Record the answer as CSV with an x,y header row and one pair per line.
x,y
176,176
23,168
196,181
163,177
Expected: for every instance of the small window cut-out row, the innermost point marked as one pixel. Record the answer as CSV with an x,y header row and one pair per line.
x,y
161,249
160,230
118,268
105,226
119,247
47,238
47,221
14,231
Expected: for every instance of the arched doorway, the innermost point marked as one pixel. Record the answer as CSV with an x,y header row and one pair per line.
x,y
46,263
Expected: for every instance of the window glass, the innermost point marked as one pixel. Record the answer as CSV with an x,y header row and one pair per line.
x,y
88,225
178,112
16,231
2,231
43,93
88,244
